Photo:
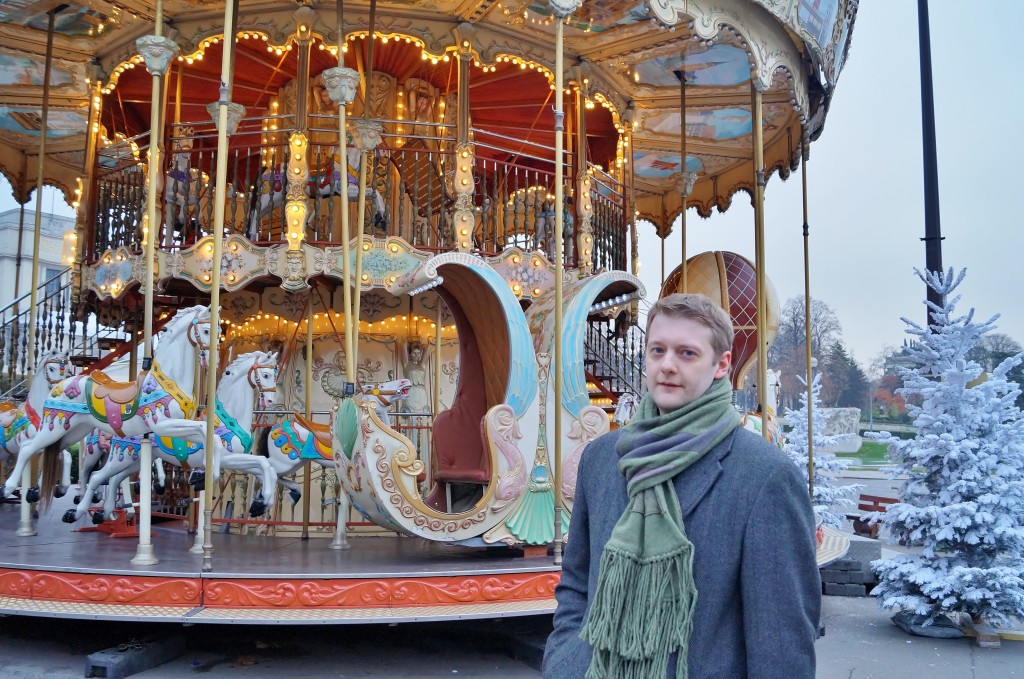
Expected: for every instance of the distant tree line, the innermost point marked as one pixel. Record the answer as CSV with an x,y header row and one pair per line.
x,y
844,382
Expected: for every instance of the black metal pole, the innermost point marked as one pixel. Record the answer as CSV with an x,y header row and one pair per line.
x,y
932,229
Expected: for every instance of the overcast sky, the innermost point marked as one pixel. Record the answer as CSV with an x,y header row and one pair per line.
x,y
865,179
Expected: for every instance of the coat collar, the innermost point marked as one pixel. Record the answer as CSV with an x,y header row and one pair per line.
x,y
698,480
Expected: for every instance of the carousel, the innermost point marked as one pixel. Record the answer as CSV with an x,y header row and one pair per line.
x,y
352,286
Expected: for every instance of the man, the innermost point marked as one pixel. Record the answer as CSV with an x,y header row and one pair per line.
x,y
691,548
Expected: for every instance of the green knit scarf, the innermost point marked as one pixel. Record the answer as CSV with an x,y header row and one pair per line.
x,y
646,597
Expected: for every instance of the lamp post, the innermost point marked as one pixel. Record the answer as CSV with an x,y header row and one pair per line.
x,y
810,428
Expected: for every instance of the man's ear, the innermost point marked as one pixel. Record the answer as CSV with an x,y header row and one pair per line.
x,y
724,363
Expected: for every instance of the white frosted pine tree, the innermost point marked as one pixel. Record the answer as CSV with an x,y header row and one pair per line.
x,y
963,499
827,466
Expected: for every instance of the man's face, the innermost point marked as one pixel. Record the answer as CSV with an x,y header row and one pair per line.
x,y
681,364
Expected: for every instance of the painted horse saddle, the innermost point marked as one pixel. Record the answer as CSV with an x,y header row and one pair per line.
x,y
119,392
322,432
8,413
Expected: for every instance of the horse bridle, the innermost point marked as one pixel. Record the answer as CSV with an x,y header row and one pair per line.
x,y
63,367
382,395
254,381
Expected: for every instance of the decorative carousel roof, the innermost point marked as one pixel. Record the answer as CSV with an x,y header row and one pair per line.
x,y
621,56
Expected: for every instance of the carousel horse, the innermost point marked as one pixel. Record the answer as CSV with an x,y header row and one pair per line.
x,y
100,445
250,379
184,187
269,190
19,423
755,422
624,410
291,442
79,404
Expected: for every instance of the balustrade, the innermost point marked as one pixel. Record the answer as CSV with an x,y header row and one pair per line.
x,y
410,190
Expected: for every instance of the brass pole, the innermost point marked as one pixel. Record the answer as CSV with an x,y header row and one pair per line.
x,y
634,236
762,300
307,468
361,220
17,280
683,193
559,268
351,325
144,554
220,199
807,320
364,160
25,527
437,378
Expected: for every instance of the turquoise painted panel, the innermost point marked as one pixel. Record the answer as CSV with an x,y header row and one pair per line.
x,y
522,383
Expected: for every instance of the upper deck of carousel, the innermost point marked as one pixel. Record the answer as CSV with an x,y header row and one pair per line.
x,y
441,74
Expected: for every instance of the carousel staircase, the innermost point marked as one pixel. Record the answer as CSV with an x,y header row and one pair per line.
x,y
53,321
613,364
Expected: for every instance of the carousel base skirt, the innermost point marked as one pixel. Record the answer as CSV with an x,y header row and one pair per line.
x,y
261,580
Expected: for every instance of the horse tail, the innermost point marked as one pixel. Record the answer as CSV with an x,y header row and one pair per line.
x,y
51,466
262,449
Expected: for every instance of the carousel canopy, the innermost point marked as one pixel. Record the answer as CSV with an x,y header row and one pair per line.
x,y
624,61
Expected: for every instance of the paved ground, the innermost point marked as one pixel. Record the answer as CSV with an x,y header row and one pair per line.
x,y
859,643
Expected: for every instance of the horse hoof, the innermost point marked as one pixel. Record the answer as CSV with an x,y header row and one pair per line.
x,y
197,479
257,508
32,495
77,499
295,496
97,497
98,517
69,516
159,489
58,492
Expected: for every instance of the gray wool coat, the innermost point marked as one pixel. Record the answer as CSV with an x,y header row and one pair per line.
x,y
746,510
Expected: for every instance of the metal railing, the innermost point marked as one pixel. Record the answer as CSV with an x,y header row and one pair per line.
x,y
615,355
410,191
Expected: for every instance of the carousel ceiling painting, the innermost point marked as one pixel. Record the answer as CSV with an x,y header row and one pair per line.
x,y
623,63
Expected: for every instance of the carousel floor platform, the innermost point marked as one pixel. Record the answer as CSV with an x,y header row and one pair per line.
x,y
259,580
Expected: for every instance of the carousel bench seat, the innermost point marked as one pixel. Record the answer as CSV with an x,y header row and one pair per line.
x,y
459,458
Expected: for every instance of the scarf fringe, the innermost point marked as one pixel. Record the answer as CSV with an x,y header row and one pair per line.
x,y
642,612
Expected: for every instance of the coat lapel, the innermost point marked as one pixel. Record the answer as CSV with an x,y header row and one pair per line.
x,y
693,484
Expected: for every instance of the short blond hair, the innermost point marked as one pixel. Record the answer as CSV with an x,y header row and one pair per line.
x,y
698,308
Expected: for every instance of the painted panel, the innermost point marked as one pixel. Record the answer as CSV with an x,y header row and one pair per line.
x,y
27,120
25,71
717,124
662,166
818,17
72,22
718,66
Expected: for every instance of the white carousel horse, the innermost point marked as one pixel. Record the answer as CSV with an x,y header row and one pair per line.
x,y
19,423
79,404
184,187
754,421
251,377
624,409
268,192
291,442
100,445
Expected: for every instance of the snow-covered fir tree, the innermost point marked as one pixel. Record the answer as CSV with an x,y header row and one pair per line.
x,y
963,499
827,467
